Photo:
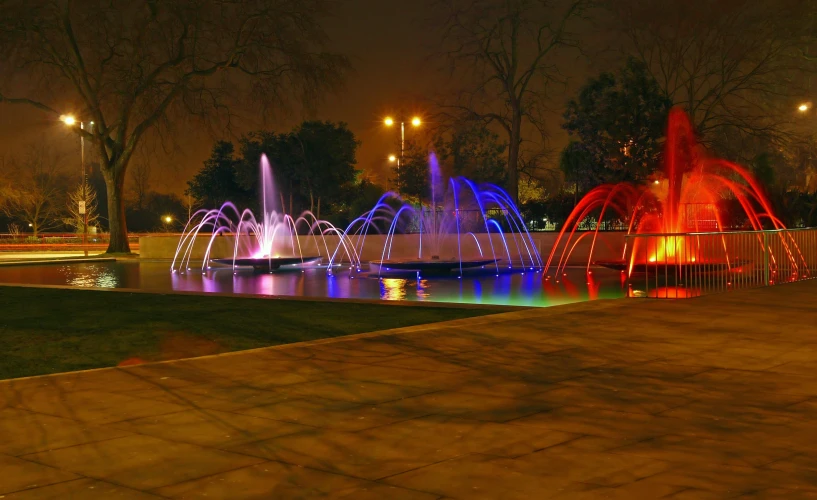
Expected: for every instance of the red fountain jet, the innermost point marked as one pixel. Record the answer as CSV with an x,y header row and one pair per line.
x,y
682,203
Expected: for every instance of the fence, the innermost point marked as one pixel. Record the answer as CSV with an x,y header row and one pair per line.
x,y
58,241
693,264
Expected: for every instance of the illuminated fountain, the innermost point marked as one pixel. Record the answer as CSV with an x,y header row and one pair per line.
x,y
465,225
276,241
670,212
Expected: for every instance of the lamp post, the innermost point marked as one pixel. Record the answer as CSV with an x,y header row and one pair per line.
x,y
389,121
803,109
83,209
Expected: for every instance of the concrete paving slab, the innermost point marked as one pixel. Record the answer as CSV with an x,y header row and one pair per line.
x,y
357,391
349,453
26,432
81,489
142,462
483,476
335,415
281,480
20,474
707,398
212,428
474,406
95,407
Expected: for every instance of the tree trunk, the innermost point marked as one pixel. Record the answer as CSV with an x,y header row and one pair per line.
x,y
117,225
513,158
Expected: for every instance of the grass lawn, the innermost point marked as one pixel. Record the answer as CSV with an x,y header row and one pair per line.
x,y
51,330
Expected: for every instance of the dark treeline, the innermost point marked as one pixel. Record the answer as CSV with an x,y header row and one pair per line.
x,y
314,168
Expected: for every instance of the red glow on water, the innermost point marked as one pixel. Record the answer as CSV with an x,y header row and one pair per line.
x,y
672,292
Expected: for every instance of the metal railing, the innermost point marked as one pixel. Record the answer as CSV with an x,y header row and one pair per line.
x,y
49,242
56,238
693,264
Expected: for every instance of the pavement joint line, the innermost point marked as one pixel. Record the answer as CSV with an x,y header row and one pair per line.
x,y
24,455
422,467
472,321
36,487
213,474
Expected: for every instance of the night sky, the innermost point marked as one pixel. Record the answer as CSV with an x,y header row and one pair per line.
x,y
388,44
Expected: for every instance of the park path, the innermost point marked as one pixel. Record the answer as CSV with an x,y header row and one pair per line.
x,y
714,397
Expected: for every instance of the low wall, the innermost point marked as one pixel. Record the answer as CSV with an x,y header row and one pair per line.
x,y
609,246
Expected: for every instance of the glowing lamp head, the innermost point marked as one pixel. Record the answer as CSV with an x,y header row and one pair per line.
x,y
656,181
168,219
415,121
803,107
392,158
388,121
68,120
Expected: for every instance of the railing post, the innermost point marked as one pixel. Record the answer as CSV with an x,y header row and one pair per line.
x,y
765,260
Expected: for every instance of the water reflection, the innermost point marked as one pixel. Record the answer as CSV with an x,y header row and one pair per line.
x,y
529,289
393,288
423,290
99,275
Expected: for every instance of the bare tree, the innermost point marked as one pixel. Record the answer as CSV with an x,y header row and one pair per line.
x,y
37,193
506,51
74,218
133,67
736,67
5,181
140,183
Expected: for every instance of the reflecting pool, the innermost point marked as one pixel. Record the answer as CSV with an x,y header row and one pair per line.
x,y
528,289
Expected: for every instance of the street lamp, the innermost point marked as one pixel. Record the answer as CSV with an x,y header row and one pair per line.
x,y
389,121
392,158
70,121
804,107
168,219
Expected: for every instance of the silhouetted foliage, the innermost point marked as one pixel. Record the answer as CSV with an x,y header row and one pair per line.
x,y
578,168
151,217
412,178
472,150
620,121
313,168
217,181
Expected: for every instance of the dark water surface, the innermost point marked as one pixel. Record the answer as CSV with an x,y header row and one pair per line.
x,y
528,289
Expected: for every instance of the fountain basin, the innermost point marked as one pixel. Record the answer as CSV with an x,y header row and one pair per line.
x,y
268,263
431,266
679,269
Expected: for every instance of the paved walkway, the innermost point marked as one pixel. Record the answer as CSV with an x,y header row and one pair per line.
x,y
706,398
